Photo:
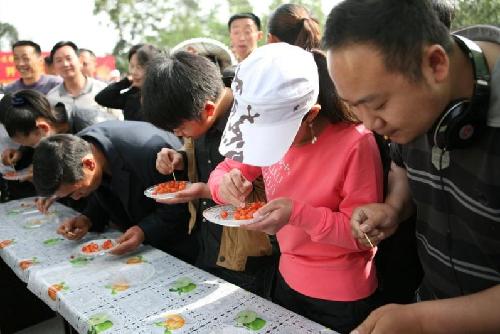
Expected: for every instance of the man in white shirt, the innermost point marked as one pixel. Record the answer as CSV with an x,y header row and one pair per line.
x,y
76,90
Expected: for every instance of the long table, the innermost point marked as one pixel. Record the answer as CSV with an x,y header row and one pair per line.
x,y
148,291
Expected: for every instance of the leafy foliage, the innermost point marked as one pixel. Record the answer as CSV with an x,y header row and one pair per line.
x,y
239,6
162,23
8,35
165,23
471,12
169,22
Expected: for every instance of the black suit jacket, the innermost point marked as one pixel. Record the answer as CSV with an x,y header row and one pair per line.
x,y
130,149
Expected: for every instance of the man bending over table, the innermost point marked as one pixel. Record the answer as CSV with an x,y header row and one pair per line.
x,y
113,163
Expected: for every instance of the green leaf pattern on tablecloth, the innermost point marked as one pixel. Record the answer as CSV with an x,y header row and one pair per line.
x,y
250,320
80,260
52,241
182,285
99,323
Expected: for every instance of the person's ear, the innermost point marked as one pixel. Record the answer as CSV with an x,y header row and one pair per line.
x,y
41,63
435,64
260,34
313,113
209,109
89,163
44,127
272,39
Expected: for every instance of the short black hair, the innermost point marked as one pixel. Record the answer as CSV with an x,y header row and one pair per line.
x,y
80,50
176,88
5,105
48,60
445,10
26,106
228,75
398,29
133,50
34,45
60,44
58,160
146,53
250,16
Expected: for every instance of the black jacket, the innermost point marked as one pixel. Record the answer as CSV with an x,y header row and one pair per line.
x,y
120,95
130,149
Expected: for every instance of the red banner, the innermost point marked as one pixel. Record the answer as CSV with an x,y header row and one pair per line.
x,y
8,71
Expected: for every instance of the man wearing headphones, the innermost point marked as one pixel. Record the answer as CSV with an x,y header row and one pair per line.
x,y
436,96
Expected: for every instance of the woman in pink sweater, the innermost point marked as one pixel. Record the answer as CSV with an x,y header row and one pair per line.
x,y
327,167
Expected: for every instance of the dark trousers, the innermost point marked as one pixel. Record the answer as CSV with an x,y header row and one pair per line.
x,y
342,317
258,277
184,247
398,266
20,308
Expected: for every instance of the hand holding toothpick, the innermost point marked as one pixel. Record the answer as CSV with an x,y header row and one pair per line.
x,y
368,239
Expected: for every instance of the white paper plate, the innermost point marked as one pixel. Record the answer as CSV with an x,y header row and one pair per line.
x,y
132,274
149,193
213,214
16,175
100,251
22,207
37,220
5,168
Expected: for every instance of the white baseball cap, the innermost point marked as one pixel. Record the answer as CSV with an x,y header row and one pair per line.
x,y
273,88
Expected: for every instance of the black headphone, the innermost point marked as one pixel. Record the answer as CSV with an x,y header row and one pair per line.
x,y
463,120
460,124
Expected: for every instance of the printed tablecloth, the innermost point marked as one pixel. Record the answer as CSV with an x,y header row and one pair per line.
x,y
148,291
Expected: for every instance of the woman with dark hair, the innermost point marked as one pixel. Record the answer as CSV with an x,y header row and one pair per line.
x,y
324,274
126,93
28,118
293,24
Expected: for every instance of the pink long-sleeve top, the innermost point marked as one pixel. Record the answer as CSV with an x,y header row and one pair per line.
x,y
326,181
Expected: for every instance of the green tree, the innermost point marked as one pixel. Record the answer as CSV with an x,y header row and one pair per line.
x,y
162,23
216,28
469,12
135,21
8,35
182,24
239,6
191,21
